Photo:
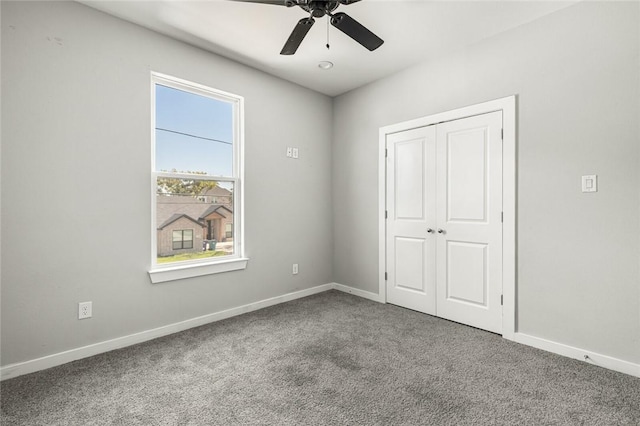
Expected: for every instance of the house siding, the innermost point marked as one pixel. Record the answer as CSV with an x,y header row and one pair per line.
x,y
165,240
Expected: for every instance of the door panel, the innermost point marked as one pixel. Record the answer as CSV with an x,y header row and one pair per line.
x,y
409,259
468,284
411,211
467,175
409,179
469,210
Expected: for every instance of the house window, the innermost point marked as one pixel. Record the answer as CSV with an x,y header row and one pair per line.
x,y
182,239
197,153
228,231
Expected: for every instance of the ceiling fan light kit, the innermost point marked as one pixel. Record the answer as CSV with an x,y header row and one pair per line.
x,y
318,9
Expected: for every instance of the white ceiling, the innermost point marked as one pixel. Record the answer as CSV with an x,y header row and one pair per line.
x,y
253,34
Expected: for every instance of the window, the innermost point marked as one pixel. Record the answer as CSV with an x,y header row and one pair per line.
x,y
183,239
196,180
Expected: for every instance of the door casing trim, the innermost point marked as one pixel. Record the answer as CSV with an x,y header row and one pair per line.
x,y
509,180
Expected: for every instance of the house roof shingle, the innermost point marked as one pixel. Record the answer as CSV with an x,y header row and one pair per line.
x,y
170,208
175,217
214,208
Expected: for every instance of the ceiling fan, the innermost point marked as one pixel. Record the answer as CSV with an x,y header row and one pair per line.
x,y
318,9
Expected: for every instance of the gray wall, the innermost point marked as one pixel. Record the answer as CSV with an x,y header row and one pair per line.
x,y
576,74
76,177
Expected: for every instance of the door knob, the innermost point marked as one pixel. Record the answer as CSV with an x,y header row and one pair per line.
x,y
429,230
440,231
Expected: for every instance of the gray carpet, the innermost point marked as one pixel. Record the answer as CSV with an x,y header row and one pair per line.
x,y
328,359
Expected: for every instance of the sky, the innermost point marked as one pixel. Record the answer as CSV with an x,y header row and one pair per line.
x,y
200,116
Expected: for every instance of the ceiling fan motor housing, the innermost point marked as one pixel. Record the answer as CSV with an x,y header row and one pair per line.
x,y
319,8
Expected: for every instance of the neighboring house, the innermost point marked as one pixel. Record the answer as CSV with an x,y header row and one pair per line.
x,y
185,222
217,195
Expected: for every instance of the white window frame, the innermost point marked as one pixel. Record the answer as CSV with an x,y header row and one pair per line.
x,y
193,268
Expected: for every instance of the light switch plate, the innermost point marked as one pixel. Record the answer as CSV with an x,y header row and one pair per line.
x,y
590,183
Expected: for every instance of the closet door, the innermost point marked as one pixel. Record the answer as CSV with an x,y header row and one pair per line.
x,y
469,221
411,219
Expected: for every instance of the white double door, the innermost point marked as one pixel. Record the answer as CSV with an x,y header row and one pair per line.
x,y
444,220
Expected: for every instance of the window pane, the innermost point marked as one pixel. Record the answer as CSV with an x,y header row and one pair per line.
x,y
194,133
187,238
193,216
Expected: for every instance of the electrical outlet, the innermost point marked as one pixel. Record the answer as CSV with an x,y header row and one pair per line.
x,y
295,269
84,310
294,153
289,152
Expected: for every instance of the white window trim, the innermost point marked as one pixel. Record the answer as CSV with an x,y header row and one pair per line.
x,y
189,271
181,270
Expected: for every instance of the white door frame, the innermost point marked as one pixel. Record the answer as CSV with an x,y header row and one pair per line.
x,y
508,107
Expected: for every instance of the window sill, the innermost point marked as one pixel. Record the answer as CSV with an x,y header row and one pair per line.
x,y
195,270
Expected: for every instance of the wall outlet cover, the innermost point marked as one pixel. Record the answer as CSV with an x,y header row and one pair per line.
x,y
85,310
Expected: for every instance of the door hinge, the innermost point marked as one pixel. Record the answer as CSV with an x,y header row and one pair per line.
x,y
502,134
385,276
386,152
501,300
385,214
501,216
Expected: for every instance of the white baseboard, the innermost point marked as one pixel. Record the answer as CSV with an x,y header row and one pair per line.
x,y
594,358
577,353
357,292
18,369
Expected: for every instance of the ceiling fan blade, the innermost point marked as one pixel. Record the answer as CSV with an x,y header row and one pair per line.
x,y
287,3
356,31
346,2
297,35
